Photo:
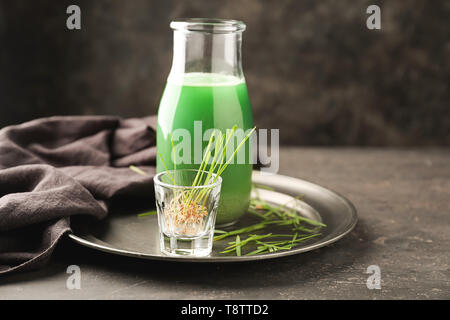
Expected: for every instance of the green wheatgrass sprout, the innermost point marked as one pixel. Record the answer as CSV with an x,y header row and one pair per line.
x,y
188,207
271,215
217,166
268,213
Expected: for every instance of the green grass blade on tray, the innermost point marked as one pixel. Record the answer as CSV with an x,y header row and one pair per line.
x,y
280,216
256,186
238,246
248,229
149,213
137,170
257,213
255,252
273,246
234,244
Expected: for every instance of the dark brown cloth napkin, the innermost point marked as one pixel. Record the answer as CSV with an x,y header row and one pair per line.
x,y
53,168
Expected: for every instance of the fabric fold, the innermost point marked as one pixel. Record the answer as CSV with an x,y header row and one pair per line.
x,y
58,167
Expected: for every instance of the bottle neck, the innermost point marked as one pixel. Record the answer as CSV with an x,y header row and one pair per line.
x,y
206,52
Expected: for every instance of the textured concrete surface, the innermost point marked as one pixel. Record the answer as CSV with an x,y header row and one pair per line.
x,y
403,201
312,67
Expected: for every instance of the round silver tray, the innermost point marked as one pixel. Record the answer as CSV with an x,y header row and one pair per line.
x,y
130,235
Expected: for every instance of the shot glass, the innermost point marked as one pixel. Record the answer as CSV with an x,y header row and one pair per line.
x,y
186,202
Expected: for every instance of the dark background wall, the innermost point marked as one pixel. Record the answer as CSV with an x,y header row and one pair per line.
x,y
313,68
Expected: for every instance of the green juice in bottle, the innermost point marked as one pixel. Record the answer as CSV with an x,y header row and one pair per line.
x,y
214,101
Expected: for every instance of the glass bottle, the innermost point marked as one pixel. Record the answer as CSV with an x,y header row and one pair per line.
x,y
206,89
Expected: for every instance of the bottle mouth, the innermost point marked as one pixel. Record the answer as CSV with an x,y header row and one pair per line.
x,y
207,25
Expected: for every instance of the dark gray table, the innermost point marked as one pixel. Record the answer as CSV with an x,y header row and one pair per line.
x,y
403,201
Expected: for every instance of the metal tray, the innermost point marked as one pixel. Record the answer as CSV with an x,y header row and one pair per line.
x,y
129,235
